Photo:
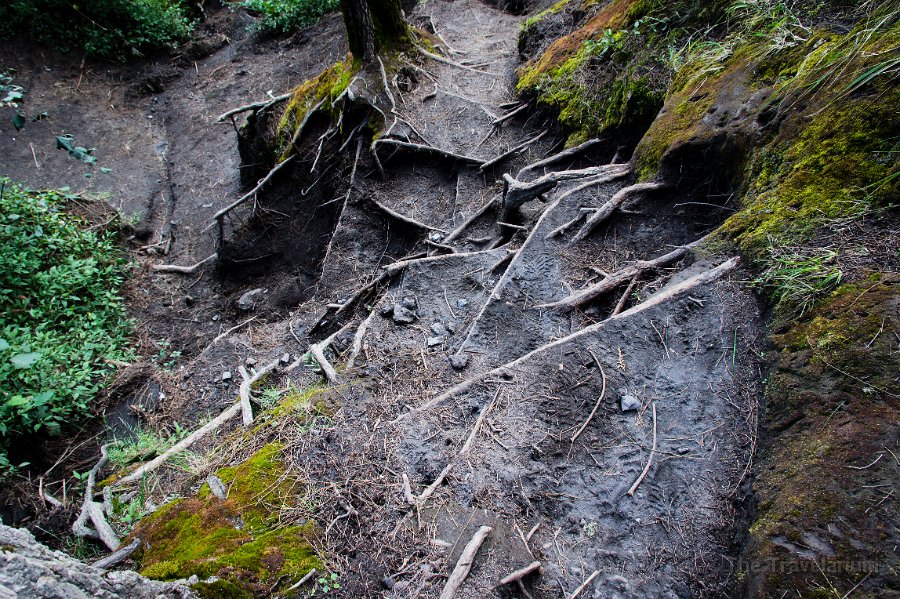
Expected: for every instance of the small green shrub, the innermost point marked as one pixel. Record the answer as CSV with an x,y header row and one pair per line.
x,y
61,314
114,29
285,16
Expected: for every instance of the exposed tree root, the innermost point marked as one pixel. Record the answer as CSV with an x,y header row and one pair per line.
x,y
428,150
402,218
570,153
302,126
516,193
617,278
599,399
471,219
93,511
221,213
649,459
254,106
119,556
245,388
502,119
519,574
464,563
511,152
697,280
183,270
451,62
614,203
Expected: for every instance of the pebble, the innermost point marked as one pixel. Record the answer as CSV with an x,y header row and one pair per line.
x,y
630,403
409,303
386,310
461,303
403,315
216,486
226,376
250,361
285,359
439,329
437,340
459,361
215,318
248,300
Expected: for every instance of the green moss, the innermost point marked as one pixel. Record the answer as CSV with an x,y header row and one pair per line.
x,y
237,539
220,589
534,20
325,87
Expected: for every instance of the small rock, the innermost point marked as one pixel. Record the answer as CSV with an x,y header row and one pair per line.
x,y
630,403
451,326
459,361
403,315
248,301
215,318
683,450
617,581
461,303
435,236
250,361
439,329
285,360
409,303
194,579
226,376
386,310
432,341
216,486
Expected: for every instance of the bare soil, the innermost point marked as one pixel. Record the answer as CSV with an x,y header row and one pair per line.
x,y
684,346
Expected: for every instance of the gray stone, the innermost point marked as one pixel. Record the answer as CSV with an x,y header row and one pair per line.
x,y
461,303
404,315
216,486
386,310
249,300
630,403
439,329
459,361
409,303
432,341
226,376
285,359
215,318
29,569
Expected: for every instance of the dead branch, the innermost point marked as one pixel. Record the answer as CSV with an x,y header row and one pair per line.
x,y
253,106
117,557
221,213
430,489
512,151
484,412
610,282
649,459
584,585
502,119
614,203
697,280
302,581
246,386
319,354
519,574
358,338
183,270
599,399
625,295
426,150
464,563
93,511
570,153
475,216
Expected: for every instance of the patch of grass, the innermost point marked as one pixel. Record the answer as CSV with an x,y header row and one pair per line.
x,y
115,29
797,277
285,16
62,318
144,444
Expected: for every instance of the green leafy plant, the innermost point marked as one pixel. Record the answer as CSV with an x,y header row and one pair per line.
x,y
62,319
285,16
797,278
326,584
113,29
144,444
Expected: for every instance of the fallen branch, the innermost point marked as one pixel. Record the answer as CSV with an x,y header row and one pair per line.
x,y
253,106
614,203
519,574
244,390
464,563
664,296
302,581
570,153
117,557
625,295
649,459
426,150
511,151
253,191
610,282
584,584
450,62
319,354
430,489
183,270
468,444
599,399
358,338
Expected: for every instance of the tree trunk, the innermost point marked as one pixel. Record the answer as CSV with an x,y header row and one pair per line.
x,y
373,26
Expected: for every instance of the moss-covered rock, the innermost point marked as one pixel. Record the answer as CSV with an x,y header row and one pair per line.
x,y
237,539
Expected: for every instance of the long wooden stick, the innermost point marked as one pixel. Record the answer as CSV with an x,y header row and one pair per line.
x,y
519,574
511,151
475,216
464,563
584,584
649,459
93,511
111,560
599,399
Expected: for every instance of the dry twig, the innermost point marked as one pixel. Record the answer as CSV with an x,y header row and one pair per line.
x,y
464,563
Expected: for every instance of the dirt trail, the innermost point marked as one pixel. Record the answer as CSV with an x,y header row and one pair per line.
x,y
463,382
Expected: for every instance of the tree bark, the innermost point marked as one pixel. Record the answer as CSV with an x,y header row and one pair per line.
x,y
373,26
